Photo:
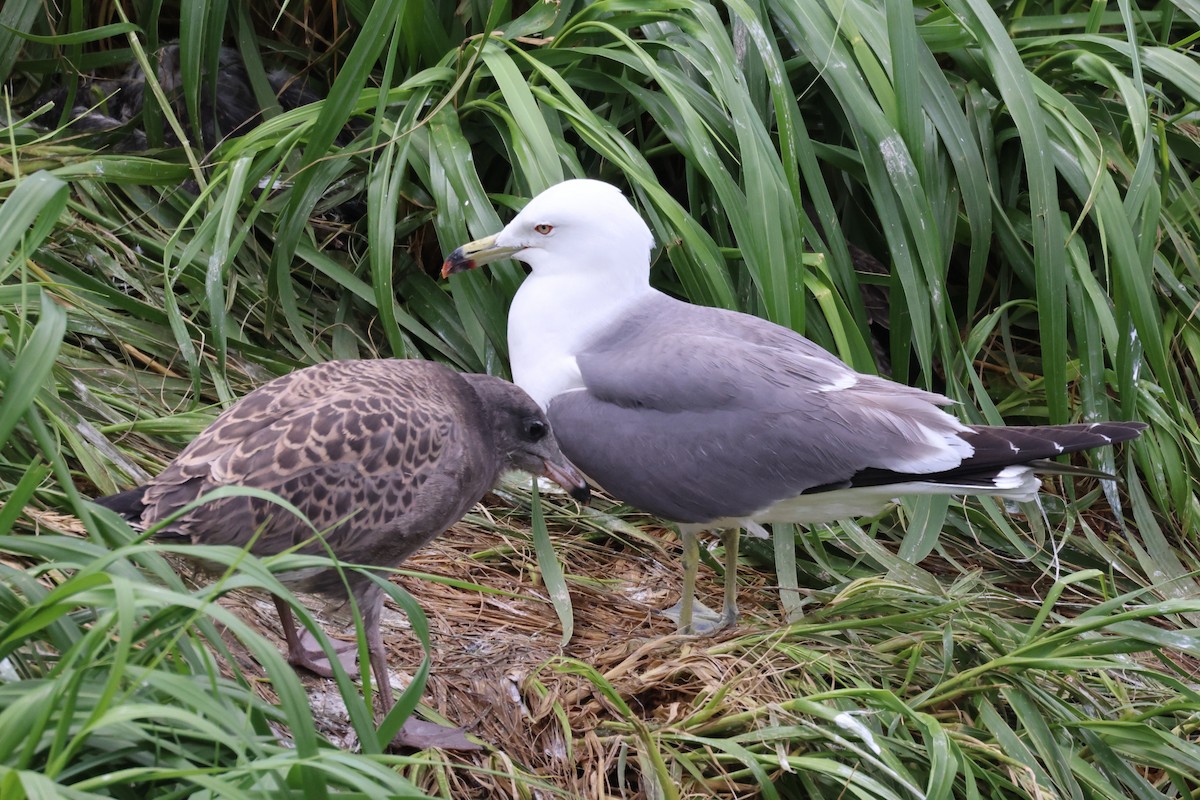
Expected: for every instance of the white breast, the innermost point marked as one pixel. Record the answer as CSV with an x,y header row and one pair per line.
x,y
551,320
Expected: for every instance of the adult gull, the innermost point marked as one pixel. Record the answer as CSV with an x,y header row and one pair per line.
x,y
720,420
381,456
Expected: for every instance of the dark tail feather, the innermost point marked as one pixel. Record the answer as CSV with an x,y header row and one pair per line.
x,y
128,503
1045,466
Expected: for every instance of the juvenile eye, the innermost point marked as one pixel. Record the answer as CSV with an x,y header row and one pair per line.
x,y
535,429
543,228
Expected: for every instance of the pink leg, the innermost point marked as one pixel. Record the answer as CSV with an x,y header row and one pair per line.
x,y
304,650
414,733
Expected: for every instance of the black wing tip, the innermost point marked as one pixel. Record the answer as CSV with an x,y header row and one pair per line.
x,y
1079,435
1000,447
1108,432
1127,430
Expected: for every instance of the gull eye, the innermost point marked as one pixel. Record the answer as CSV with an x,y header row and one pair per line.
x,y
543,228
535,429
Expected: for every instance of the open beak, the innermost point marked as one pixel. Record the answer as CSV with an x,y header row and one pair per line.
x,y
565,475
476,254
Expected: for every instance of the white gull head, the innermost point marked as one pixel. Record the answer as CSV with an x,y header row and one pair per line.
x,y
581,226
589,252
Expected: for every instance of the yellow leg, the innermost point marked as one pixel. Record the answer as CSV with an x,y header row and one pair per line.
x,y
729,613
691,616
691,564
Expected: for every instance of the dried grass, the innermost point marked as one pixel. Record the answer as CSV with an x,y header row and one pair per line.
x,y
495,653
593,718
495,656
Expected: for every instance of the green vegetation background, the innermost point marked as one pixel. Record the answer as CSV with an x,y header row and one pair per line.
x,y
1027,171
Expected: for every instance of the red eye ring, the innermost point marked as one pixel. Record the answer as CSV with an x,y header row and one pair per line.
x,y
543,228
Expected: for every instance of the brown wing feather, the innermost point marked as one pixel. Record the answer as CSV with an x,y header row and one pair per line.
x,y
375,452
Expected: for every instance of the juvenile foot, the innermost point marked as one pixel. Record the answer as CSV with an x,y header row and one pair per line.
x,y
420,735
310,656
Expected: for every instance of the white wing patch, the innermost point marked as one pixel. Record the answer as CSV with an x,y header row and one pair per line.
x,y
845,381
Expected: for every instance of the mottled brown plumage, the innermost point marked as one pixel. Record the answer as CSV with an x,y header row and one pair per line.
x,y
381,456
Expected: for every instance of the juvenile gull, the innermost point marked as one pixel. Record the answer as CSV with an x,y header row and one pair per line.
x,y
720,420
381,456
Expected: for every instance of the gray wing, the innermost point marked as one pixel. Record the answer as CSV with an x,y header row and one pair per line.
x,y
380,447
695,414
